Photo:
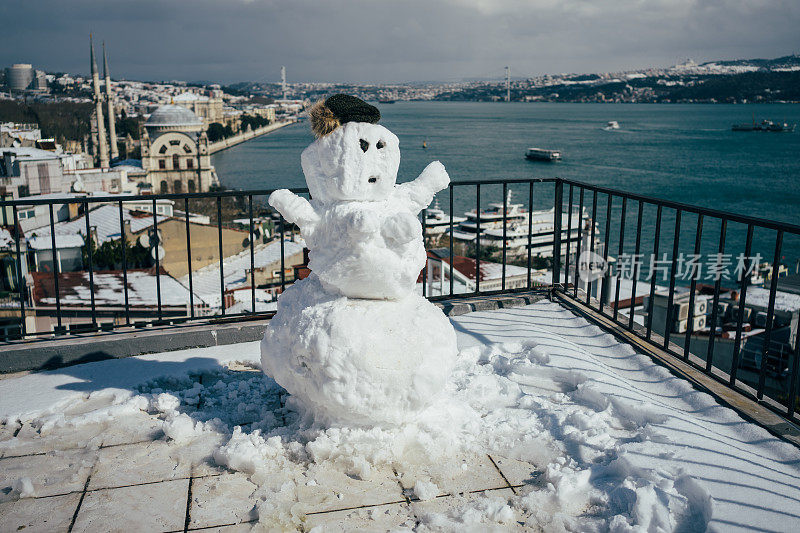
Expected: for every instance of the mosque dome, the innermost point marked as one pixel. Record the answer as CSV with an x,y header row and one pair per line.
x,y
174,117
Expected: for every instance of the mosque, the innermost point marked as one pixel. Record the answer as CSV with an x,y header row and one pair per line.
x,y
174,144
175,155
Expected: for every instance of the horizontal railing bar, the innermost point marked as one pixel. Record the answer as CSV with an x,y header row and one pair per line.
x,y
215,194
150,197
732,217
500,182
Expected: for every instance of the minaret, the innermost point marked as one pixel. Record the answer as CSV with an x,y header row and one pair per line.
x,y
112,127
98,106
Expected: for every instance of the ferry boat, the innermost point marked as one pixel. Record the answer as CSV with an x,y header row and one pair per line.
x,y
437,222
765,125
541,154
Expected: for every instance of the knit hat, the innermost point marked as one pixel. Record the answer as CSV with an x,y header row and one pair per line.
x,y
327,115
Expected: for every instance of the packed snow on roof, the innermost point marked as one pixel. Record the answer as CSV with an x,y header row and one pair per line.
x,y
105,219
606,439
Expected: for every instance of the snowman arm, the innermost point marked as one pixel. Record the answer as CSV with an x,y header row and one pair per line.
x,y
418,194
295,209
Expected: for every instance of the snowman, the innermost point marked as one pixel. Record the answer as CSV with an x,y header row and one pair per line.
x,y
353,342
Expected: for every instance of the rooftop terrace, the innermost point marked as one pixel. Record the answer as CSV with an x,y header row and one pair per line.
x,y
550,421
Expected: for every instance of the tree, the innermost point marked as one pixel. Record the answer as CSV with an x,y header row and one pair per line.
x,y
216,132
108,256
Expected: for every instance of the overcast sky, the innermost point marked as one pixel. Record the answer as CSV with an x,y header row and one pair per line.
x,y
389,40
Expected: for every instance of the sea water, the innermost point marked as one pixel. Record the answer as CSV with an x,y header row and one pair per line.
x,y
684,153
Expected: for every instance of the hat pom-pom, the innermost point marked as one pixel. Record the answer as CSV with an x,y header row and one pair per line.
x,y
323,121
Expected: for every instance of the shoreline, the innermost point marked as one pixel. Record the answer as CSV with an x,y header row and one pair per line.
x,y
240,138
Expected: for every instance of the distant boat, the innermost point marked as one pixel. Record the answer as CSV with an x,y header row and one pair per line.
x,y
386,100
541,154
425,144
764,125
612,125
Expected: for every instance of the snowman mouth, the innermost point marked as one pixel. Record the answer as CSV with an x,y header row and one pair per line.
x,y
373,179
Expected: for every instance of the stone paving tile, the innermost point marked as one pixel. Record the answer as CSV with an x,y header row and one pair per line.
x,y
236,528
132,429
461,473
153,507
518,472
52,473
327,488
453,504
199,454
137,463
377,518
29,441
225,499
39,514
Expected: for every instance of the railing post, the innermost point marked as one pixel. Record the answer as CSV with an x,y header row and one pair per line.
x,y
559,194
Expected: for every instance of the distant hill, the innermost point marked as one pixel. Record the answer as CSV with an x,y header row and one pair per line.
x,y
784,62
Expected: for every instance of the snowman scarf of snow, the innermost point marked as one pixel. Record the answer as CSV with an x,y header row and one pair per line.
x,y
353,342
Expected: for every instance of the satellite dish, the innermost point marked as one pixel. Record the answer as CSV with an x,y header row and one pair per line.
x,y
157,253
77,186
144,240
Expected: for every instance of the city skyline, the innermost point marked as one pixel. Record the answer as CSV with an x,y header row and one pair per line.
x,y
381,42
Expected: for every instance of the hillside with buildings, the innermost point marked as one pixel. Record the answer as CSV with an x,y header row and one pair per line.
x,y
735,81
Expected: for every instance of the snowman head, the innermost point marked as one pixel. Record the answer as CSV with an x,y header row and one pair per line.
x,y
353,159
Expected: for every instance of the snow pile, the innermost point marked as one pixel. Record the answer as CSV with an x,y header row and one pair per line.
x,y
425,490
489,513
23,488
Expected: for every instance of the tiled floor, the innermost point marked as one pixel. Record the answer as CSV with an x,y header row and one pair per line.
x,y
86,481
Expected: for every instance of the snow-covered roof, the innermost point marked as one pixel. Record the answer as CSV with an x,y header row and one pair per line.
x,y
106,219
28,152
190,97
44,242
784,301
205,281
109,289
490,270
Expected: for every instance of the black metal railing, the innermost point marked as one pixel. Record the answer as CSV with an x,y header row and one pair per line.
x,y
155,314
575,284
487,246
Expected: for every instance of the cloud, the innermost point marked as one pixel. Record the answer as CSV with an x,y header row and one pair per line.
x,y
388,40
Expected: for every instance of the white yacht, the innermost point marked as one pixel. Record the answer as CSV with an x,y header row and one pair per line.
x,y
436,221
542,228
490,218
612,125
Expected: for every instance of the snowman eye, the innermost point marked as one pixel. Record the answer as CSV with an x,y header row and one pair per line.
x,y
364,145
380,145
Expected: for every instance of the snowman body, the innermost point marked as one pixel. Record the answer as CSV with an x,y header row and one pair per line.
x,y
368,250
353,342
361,228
